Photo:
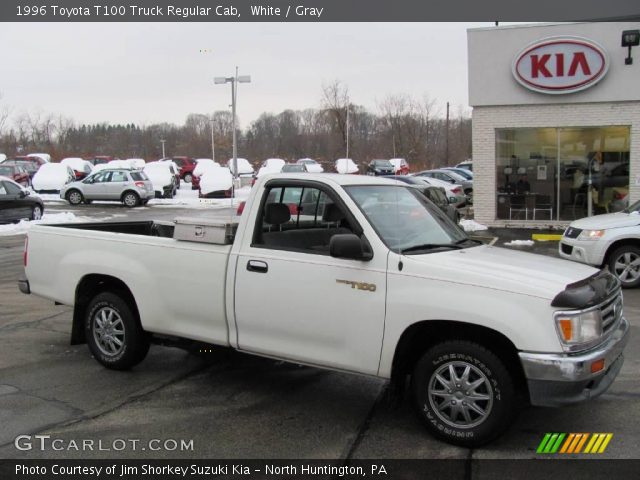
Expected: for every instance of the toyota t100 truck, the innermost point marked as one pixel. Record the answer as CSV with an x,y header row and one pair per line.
x,y
351,273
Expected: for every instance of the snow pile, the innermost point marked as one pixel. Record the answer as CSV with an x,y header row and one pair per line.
x,y
48,219
472,226
216,180
346,165
520,243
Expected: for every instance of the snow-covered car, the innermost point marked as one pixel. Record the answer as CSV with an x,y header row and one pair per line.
x,y
202,165
137,163
16,202
117,163
612,239
294,168
216,183
401,166
81,168
162,178
44,156
244,167
131,187
346,166
51,177
312,165
271,165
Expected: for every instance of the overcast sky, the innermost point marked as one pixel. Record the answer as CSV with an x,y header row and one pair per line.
x,y
154,72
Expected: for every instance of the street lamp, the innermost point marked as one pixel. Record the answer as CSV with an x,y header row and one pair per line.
x,y
162,141
233,81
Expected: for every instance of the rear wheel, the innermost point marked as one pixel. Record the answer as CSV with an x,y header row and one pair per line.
x,y
463,393
130,199
624,263
113,332
36,212
188,177
75,197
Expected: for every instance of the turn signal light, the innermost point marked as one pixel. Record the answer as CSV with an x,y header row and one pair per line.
x,y
566,327
597,365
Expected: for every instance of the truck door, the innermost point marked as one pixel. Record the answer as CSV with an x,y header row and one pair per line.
x,y
295,301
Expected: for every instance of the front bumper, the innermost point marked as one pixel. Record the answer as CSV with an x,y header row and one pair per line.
x,y
562,379
23,285
590,252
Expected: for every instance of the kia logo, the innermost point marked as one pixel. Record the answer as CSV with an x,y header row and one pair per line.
x,y
560,65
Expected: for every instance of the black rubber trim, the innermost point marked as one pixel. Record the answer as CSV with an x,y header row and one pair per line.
x,y
587,293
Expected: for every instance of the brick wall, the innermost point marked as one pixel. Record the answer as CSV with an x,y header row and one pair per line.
x,y
487,119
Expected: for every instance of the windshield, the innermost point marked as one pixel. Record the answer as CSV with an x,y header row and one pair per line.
x,y
405,220
382,163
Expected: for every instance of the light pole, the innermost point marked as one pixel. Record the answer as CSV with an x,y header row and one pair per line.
x,y
233,81
213,146
162,141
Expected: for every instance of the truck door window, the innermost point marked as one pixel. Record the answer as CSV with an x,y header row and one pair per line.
x,y
300,219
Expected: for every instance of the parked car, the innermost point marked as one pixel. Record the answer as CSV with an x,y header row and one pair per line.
x,y
202,165
380,167
294,168
131,187
454,192
45,157
271,165
311,164
467,165
346,166
81,168
611,239
464,173
15,172
99,159
216,183
480,330
163,178
17,203
52,177
245,169
31,166
136,163
451,177
436,194
185,166
401,166
39,161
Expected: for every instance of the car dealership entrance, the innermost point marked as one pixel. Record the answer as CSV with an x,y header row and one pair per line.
x,y
556,122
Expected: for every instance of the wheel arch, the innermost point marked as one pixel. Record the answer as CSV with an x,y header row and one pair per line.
x,y
419,337
633,241
129,191
90,286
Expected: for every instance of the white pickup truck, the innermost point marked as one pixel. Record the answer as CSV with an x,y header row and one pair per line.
x,y
351,273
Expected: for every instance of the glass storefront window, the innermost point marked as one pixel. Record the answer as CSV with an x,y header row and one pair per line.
x,y
543,173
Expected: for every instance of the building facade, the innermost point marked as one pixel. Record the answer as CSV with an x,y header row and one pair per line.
x,y
556,122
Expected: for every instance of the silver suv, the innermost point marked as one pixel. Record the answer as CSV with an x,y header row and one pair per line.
x,y
131,187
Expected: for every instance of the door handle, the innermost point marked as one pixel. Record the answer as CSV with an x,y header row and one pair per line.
x,y
257,266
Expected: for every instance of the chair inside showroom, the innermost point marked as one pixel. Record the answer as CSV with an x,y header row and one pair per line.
x,y
543,204
517,205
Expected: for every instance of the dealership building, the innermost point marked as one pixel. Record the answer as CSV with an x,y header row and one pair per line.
x,y
556,121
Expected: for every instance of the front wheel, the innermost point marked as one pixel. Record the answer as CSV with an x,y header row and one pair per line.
x,y
463,393
130,199
113,332
188,177
624,263
75,197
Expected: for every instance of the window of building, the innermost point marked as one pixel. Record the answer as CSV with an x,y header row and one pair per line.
x,y
544,173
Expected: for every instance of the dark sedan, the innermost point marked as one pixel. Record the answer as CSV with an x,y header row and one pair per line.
x,y
16,203
380,167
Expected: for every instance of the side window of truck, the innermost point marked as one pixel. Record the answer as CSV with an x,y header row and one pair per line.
x,y
299,218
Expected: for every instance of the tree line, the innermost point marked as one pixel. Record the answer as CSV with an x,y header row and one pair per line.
x,y
402,126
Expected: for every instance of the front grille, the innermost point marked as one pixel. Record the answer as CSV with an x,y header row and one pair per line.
x,y
572,232
611,311
566,249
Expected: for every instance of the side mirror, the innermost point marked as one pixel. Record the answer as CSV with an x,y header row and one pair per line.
x,y
23,193
348,245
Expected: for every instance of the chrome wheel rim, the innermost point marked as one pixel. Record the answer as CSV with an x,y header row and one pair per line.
x,y
627,267
37,213
460,394
188,178
108,331
130,200
75,197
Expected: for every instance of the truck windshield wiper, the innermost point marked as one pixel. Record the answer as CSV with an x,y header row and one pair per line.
x,y
430,246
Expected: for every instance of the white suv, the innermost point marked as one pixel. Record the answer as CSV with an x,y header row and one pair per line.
x,y
612,239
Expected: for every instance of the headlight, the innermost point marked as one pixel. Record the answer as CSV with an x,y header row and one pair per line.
x,y
579,330
591,234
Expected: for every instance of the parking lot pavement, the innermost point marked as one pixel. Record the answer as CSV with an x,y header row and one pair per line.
x,y
235,405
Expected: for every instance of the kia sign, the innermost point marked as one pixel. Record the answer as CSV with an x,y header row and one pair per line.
x,y
560,65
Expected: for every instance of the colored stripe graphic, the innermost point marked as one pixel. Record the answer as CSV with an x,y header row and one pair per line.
x,y
573,443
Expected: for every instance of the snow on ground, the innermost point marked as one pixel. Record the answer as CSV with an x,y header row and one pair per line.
x,y
472,226
520,243
48,218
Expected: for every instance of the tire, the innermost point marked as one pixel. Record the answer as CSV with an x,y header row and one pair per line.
x,y
130,199
123,344
36,212
74,197
624,263
188,177
444,413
